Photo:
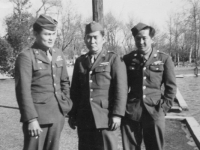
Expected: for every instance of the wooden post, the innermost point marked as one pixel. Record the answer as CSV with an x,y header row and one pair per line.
x,y
97,8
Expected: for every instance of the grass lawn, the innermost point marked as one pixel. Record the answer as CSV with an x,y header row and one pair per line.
x,y
11,137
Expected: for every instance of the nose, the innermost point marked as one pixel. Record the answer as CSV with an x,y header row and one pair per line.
x,y
51,37
141,41
92,40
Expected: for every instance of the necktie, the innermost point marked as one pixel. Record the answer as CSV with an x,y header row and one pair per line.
x,y
49,55
92,59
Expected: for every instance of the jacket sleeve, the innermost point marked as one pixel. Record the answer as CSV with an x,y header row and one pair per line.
x,y
23,78
64,82
169,80
75,88
119,81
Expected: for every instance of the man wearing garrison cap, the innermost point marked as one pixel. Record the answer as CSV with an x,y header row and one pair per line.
x,y
98,92
147,69
42,88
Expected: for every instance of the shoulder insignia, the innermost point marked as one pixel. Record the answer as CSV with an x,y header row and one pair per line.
x,y
111,52
121,58
158,51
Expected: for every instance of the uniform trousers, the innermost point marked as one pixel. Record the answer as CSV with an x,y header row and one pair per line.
x,y
148,129
91,138
48,139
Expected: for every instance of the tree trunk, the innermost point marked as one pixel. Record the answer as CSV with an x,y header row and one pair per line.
x,y
97,8
190,55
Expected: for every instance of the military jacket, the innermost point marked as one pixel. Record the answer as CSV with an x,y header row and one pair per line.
x,y
101,87
145,80
42,86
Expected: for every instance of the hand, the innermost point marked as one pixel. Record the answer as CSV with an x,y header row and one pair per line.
x,y
34,129
114,122
72,122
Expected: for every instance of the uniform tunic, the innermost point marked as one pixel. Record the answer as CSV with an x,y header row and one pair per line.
x,y
42,87
98,92
152,88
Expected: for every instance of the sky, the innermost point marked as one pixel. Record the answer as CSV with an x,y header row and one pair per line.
x,y
146,11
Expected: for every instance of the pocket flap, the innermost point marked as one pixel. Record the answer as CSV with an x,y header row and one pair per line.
x,y
59,63
156,68
104,104
102,69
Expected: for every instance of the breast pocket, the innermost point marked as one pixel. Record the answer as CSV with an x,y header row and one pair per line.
x,y
156,72
59,65
133,71
39,68
102,75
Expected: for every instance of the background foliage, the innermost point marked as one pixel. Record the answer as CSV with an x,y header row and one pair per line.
x,y
181,39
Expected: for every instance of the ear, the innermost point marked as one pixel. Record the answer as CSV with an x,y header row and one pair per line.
x,y
152,39
104,39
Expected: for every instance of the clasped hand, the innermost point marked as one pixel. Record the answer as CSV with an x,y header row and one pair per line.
x,y
34,129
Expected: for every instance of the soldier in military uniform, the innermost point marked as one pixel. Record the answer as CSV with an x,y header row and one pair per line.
x,y
148,69
42,88
98,92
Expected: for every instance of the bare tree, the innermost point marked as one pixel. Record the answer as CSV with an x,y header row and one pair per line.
x,y
20,6
70,38
48,5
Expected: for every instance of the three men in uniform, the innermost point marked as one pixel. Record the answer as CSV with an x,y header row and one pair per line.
x,y
99,91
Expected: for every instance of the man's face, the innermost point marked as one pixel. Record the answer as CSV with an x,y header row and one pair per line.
x,y
94,42
143,41
46,38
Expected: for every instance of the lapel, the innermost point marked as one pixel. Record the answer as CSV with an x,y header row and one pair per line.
x,y
40,54
86,62
55,55
152,58
101,57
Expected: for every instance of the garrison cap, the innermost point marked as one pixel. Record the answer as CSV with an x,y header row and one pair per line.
x,y
92,27
140,26
46,22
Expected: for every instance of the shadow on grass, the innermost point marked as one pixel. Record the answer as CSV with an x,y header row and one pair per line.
x,y
9,107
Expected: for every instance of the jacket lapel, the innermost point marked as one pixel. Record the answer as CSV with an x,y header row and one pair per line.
x,y
86,62
152,58
40,54
54,55
99,59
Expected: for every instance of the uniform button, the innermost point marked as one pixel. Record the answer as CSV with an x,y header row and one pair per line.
x,y
144,96
90,72
144,68
144,87
145,78
91,90
54,84
91,99
53,66
56,92
90,81
54,75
